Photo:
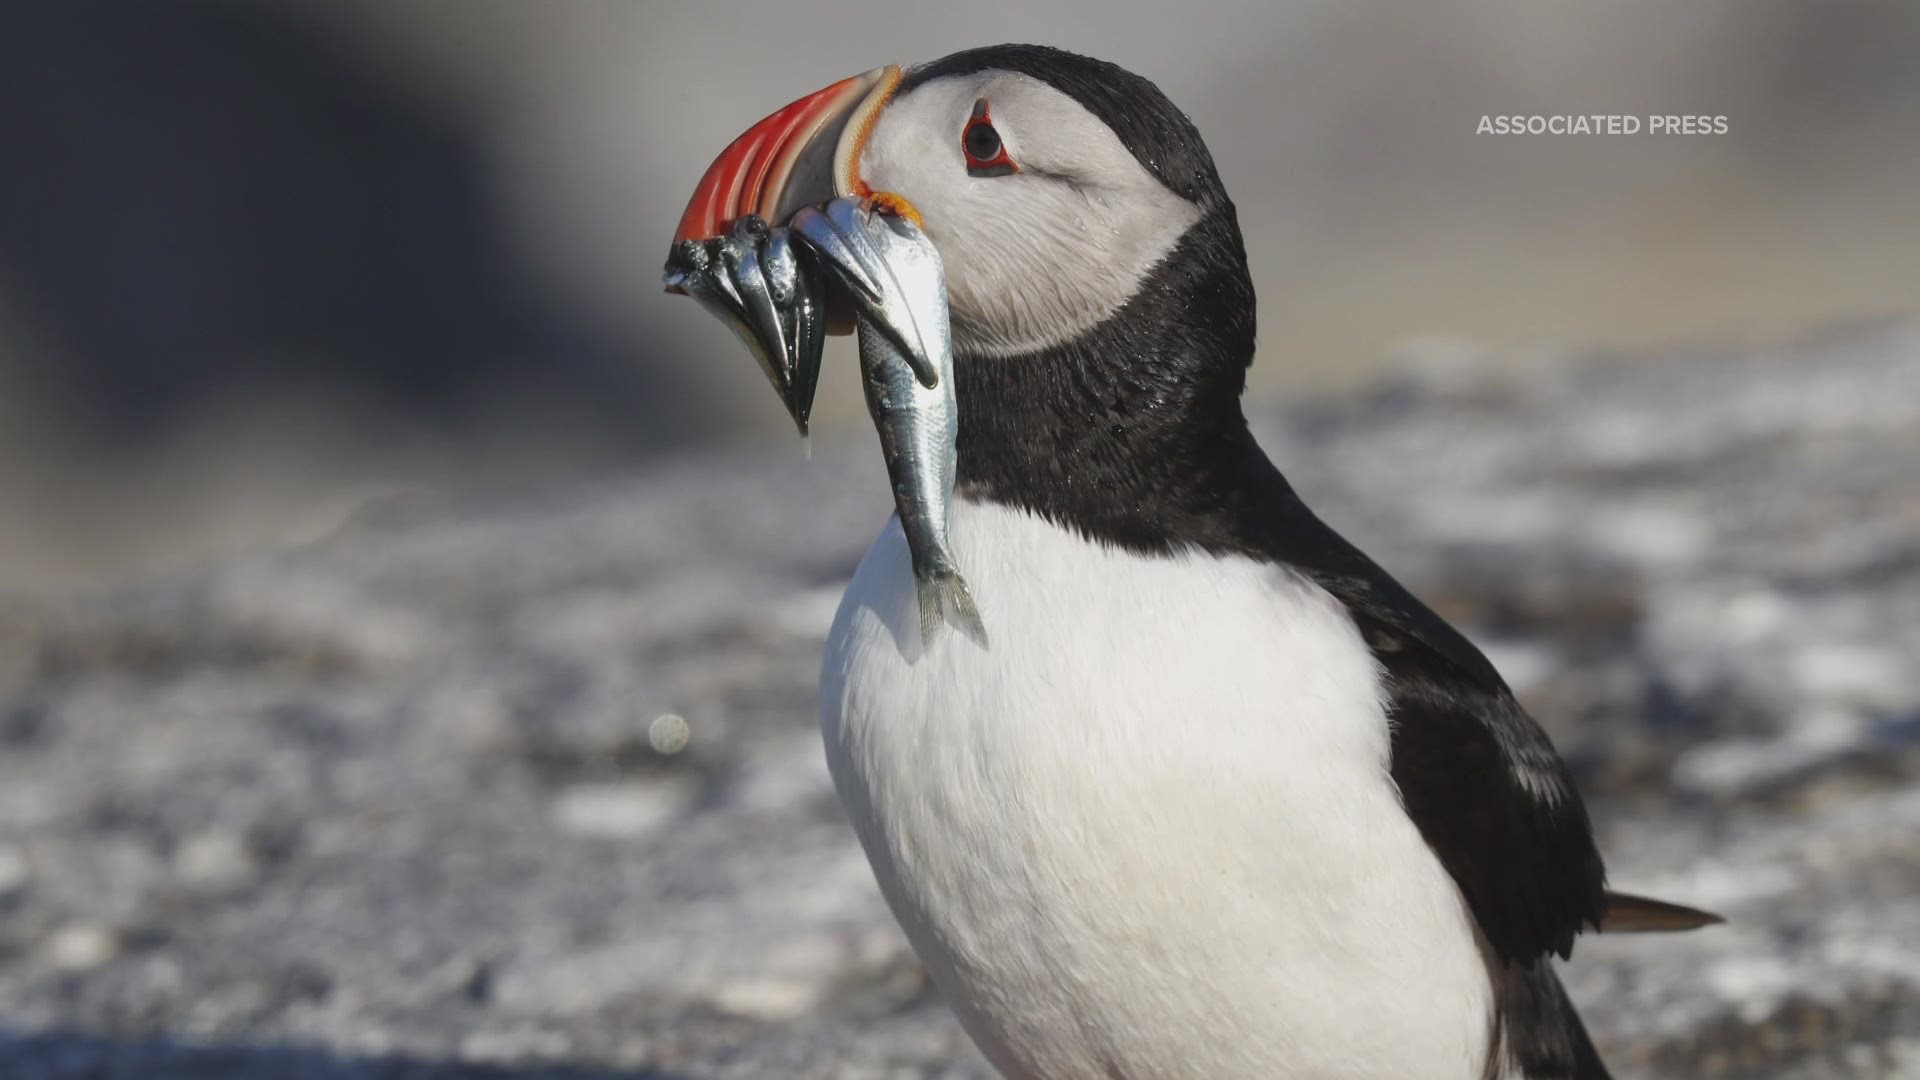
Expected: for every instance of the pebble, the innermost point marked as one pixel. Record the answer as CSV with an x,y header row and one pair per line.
x,y
215,859
624,810
15,871
668,734
81,947
766,998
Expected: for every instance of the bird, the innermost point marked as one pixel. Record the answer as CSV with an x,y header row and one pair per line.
x,y
1221,798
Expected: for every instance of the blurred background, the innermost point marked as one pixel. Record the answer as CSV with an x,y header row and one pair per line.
x,y
410,617
261,263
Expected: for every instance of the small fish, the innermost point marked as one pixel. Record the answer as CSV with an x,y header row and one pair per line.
x,y
917,428
900,293
767,290
769,285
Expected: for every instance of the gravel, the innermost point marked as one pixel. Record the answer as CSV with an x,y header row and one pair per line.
x,y
530,786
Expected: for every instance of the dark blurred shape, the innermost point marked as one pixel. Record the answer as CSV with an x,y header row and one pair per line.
x,y
200,199
60,1055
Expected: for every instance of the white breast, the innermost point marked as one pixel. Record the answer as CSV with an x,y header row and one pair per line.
x,y
1151,831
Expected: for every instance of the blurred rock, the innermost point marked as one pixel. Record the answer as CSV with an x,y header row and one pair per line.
x,y
223,201
531,787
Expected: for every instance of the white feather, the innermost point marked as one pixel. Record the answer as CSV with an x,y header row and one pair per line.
x,y
1150,833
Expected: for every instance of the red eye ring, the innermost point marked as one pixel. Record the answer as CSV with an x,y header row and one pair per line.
x,y
986,153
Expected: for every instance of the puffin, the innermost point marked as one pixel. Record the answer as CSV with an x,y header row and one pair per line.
x,y
1221,798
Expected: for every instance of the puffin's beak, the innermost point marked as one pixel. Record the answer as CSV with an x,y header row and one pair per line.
x,y
806,153
732,251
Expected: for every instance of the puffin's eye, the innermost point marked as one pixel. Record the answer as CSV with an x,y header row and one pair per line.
x,y
986,154
983,143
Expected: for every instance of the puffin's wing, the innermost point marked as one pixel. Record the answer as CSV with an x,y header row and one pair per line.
x,y
1488,792
1478,776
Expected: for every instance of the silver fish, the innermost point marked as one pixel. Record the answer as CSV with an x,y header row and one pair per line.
x,y
917,428
768,291
906,366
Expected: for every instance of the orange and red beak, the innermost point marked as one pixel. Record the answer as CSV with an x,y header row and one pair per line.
x,y
806,153
733,251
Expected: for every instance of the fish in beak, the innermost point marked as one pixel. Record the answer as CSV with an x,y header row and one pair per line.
x,y
918,420
781,227
735,253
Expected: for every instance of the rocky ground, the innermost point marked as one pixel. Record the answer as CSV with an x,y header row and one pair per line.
x,y
531,788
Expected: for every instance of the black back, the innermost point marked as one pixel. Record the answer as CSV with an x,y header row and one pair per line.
x,y
1133,435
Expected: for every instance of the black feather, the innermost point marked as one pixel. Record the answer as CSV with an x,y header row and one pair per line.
x,y
1542,1032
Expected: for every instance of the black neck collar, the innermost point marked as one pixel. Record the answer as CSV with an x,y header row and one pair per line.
x,y
1132,433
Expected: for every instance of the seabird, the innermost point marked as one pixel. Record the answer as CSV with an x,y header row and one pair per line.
x,y
1221,798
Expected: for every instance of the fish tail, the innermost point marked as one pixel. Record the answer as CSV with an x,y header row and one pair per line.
x,y
944,597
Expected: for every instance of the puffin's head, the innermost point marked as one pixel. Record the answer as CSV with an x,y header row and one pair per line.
x,y
1089,247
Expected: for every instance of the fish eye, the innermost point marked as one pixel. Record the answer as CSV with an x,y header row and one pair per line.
x,y
986,154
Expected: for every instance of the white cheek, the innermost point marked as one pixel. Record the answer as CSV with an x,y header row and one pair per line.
x,y
1031,260
1047,262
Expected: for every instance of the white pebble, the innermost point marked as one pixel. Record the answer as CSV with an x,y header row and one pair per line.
x,y
15,870
668,734
81,947
622,811
213,859
770,999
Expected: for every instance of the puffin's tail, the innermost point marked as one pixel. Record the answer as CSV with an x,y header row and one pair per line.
x,y
1630,914
1540,1036
1586,1060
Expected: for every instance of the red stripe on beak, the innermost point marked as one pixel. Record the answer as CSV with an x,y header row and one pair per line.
x,y
752,174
